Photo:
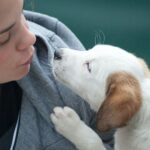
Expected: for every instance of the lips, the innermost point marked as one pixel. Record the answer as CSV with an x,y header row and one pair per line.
x,y
29,59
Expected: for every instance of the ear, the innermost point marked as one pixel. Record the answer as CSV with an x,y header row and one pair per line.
x,y
123,100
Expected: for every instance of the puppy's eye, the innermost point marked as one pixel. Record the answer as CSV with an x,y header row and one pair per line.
x,y
88,66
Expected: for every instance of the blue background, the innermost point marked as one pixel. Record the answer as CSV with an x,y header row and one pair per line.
x,y
123,23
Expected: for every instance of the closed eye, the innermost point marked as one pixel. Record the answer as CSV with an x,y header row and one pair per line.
x,y
88,67
4,38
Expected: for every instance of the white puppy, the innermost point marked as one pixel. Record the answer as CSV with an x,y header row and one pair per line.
x,y
116,84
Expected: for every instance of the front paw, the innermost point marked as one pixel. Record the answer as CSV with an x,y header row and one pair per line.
x,y
68,124
66,121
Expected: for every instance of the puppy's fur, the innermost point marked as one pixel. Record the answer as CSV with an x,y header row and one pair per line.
x,y
116,85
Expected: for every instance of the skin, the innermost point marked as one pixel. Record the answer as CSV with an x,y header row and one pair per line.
x,y
16,43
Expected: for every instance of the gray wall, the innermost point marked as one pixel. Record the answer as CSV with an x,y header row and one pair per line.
x,y
124,23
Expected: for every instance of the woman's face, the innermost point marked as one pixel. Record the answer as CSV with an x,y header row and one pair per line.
x,y
16,41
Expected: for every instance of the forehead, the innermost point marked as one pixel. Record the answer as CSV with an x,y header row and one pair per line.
x,y
9,11
109,52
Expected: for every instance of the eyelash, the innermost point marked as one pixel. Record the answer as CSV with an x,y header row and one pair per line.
x,y
6,41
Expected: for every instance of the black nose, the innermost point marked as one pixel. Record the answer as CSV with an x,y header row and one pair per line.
x,y
57,55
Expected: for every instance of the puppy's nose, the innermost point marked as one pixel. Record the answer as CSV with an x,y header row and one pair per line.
x,y
57,55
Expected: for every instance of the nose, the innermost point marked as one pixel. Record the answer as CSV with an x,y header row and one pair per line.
x,y
57,55
28,39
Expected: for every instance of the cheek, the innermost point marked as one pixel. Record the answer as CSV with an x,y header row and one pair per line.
x,y
4,56
7,55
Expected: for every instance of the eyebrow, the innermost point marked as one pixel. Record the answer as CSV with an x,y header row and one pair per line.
x,y
7,29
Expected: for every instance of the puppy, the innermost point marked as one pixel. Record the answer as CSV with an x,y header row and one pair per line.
x,y
116,84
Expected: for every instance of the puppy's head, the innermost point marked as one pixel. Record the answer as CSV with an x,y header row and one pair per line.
x,y
107,77
123,100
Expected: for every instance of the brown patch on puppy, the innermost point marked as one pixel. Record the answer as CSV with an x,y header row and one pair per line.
x,y
123,100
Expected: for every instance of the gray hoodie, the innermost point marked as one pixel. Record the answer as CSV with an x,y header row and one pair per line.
x,y
41,93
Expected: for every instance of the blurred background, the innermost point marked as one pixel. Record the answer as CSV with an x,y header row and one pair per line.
x,y
123,23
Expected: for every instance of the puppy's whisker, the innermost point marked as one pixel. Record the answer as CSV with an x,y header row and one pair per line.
x,y
99,37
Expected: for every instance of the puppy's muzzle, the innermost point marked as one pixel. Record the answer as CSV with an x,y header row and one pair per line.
x,y
58,55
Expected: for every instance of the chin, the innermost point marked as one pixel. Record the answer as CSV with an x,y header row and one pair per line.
x,y
22,73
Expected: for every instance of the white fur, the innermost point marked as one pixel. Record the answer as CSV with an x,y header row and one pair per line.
x,y
89,81
68,123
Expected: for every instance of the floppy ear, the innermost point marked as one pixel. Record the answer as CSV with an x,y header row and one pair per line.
x,y
123,100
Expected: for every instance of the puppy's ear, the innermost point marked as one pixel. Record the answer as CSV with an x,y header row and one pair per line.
x,y
123,100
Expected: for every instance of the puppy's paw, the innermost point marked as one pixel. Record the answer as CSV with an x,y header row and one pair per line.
x,y
66,120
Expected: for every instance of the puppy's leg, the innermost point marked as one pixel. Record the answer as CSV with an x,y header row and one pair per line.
x,y
68,123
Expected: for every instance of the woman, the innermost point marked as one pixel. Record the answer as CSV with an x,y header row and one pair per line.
x,y
28,91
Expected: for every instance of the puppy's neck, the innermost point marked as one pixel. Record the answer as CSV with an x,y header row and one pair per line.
x,y
96,98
